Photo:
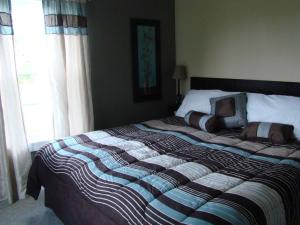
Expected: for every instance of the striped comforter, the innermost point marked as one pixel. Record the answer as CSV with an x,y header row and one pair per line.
x,y
165,173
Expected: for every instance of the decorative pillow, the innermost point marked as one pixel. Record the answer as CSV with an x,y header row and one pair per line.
x,y
202,121
274,132
231,109
198,100
274,109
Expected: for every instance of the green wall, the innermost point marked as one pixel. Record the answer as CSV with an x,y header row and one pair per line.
x,y
245,39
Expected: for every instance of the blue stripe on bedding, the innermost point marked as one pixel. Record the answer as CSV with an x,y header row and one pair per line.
x,y
158,182
70,141
104,156
96,152
167,210
225,212
132,172
185,198
291,163
195,221
142,191
237,151
265,158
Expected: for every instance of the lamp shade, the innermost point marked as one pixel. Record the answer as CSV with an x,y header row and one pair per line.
x,y
180,73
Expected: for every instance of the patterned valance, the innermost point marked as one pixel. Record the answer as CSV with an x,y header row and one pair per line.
x,y
65,17
5,18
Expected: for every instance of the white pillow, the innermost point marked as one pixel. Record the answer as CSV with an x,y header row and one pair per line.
x,y
198,100
274,109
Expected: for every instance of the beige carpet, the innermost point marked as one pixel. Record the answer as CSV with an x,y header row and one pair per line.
x,y
28,212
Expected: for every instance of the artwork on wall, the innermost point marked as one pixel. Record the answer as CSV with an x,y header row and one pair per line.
x,y
146,59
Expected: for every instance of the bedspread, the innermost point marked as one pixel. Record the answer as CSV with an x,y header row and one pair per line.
x,y
166,173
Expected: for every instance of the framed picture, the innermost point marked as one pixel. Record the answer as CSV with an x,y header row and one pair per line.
x,y
146,61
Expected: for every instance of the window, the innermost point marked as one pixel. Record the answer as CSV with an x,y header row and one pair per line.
x,y
31,63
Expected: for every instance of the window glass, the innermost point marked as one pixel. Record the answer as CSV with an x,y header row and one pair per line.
x,y
31,63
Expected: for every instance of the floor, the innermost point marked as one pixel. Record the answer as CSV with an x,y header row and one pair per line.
x,y
28,212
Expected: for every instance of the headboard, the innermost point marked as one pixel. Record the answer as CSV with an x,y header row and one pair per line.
x,y
255,86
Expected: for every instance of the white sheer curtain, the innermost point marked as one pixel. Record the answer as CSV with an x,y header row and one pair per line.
x,y
15,157
66,29
3,159
65,23
70,76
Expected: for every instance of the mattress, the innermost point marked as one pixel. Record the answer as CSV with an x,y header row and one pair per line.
x,y
163,172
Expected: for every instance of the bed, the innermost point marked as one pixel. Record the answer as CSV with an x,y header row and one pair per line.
x,y
164,172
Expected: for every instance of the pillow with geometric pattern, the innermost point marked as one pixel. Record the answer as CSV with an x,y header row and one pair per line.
x,y
275,133
231,109
202,121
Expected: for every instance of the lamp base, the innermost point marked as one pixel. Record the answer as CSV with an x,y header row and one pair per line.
x,y
179,99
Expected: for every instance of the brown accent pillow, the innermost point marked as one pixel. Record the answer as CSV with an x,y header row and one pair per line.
x,y
225,107
273,132
202,121
231,109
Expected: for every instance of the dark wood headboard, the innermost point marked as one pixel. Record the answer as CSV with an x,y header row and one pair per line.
x,y
255,86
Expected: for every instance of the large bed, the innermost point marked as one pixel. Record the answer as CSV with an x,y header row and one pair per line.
x,y
164,172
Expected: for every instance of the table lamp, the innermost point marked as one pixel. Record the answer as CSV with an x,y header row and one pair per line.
x,y
179,75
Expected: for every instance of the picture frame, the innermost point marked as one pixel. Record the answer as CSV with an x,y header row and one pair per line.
x,y
146,59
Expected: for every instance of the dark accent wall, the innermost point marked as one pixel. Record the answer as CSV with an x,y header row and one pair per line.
x,y
111,64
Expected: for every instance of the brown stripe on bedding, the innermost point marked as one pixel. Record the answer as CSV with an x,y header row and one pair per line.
x,y
283,180
121,190
170,144
123,158
149,166
295,159
222,159
212,165
180,130
179,178
175,179
175,205
113,151
252,211
237,174
213,219
152,216
191,153
107,148
204,192
246,169
154,191
121,175
135,196
84,138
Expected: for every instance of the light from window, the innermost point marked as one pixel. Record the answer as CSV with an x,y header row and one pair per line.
x,y
31,60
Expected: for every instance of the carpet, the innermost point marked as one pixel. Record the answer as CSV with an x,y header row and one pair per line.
x,y
28,212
